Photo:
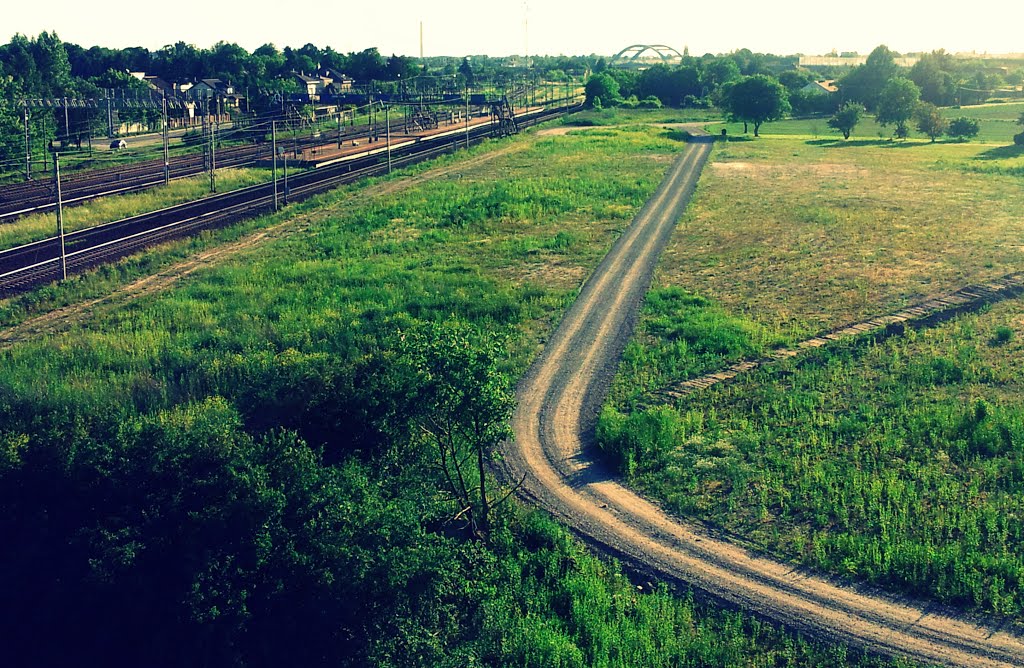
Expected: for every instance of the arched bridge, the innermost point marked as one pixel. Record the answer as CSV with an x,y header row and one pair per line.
x,y
637,53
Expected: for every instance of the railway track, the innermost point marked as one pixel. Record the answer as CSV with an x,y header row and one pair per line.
x,y
29,265
37,196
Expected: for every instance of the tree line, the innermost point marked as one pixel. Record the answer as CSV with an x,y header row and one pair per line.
x,y
754,88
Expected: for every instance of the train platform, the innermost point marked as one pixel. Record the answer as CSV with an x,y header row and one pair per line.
x,y
363,145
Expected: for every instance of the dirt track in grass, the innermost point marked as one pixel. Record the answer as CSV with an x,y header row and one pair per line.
x,y
558,402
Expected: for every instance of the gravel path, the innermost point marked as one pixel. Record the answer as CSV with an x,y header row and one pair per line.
x,y
558,401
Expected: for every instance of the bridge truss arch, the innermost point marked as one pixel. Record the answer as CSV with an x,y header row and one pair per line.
x,y
637,54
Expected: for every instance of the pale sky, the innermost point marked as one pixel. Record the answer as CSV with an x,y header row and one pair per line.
x,y
501,27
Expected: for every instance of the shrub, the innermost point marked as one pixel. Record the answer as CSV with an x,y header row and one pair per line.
x,y
963,128
1018,139
642,439
650,102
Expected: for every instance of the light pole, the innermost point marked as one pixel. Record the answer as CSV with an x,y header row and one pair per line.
x,y
284,154
213,157
167,161
273,169
387,122
60,218
28,148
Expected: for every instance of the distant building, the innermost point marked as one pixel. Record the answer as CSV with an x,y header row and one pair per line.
x,y
205,89
336,82
827,87
311,86
850,61
158,84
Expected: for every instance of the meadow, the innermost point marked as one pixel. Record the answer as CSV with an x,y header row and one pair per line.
x,y
896,463
998,124
239,462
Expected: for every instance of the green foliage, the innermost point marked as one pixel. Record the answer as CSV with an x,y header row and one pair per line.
x,y
866,82
650,102
846,118
897,103
963,128
867,462
602,89
929,121
641,439
682,336
463,404
756,99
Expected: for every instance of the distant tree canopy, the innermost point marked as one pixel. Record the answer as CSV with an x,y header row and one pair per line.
x,y
602,89
963,128
897,103
930,121
756,99
846,118
864,83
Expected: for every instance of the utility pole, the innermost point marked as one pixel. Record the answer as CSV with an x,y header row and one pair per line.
x,y
110,113
204,109
273,146
387,122
28,148
167,161
60,218
467,117
339,125
67,126
285,156
213,158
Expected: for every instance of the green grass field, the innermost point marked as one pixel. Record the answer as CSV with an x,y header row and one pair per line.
x,y
896,463
168,405
998,126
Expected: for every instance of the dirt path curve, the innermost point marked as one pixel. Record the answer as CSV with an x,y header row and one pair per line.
x,y
558,400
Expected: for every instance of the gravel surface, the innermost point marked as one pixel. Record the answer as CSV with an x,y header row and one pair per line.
x,y
558,400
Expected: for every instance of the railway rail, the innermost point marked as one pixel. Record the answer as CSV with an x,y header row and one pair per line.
x,y
29,265
37,196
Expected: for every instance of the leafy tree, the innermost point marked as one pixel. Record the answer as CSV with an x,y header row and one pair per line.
x,y
794,80
756,99
464,405
929,121
11,144
603,87
933,74
670,85
963,128
720,71
846,118
897,104
52,64
466,70
865,83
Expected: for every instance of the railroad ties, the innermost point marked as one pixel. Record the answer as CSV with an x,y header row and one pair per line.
x,y
925,314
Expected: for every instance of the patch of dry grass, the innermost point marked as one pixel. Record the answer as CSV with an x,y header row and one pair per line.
x,y
802,237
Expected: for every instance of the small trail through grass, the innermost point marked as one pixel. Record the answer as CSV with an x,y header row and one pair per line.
x,y
930,312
